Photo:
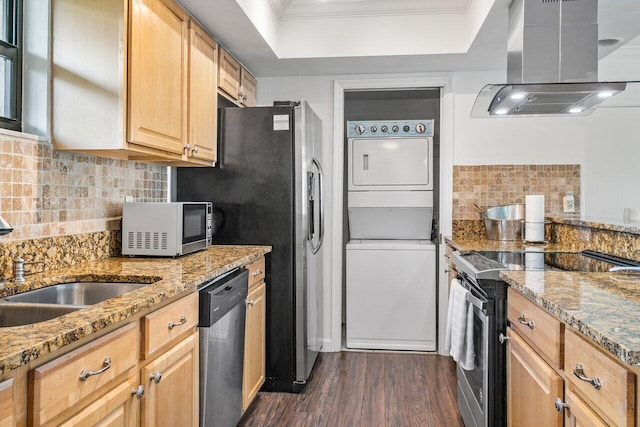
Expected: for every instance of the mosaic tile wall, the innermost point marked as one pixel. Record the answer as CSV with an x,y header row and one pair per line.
x,y
66,207
491,185
45,193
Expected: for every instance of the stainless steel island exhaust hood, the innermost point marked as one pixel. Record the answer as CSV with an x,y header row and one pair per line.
x,y
552,62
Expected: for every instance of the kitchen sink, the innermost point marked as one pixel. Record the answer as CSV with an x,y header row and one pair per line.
x,y
75,294
16,314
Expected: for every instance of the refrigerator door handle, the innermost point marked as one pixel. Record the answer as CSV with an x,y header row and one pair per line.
x,y
317,247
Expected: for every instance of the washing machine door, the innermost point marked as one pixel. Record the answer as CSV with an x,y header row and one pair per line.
x,y
391,164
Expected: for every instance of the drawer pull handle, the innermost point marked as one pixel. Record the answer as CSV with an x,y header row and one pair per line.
x,y
502,338
579,372
257,273
172,324
157,377
106,364
250,302
523,320
138,392
560,405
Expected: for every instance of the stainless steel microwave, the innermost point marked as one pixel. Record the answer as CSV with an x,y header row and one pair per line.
x,y
165,229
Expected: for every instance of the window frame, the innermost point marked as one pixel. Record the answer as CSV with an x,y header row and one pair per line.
x,y
12,49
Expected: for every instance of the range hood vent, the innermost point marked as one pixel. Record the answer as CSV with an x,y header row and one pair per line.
x,y
552,62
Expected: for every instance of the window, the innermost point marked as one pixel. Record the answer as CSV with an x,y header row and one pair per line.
x,y
11,64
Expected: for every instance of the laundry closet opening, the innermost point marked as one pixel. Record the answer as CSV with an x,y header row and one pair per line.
x,y
391,199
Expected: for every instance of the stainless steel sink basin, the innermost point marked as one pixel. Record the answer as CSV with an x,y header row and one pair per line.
x,y
16,314
76,293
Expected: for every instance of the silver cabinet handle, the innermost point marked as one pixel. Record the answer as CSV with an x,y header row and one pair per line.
x,y
560,405
172,324
195,149
106,364
523,320
257,273
156,377
502,338
579,372
250,303
138,392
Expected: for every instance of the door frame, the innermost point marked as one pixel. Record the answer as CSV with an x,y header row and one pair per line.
x,y
445,83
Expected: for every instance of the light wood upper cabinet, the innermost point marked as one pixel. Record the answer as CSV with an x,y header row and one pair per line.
x,y
172,387
229,75
235,81
203,98
158,52
254,344
532,387
248,86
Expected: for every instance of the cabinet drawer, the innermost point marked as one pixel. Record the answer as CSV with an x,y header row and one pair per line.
x,y
541,329
256,271
57,385
614,400
167,324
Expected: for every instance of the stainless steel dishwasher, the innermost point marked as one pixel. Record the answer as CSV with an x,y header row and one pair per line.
x,y
222,317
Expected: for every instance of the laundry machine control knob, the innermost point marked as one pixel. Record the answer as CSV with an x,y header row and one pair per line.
x,y
405,128
420,128
395,128
384,128
374,129
360,129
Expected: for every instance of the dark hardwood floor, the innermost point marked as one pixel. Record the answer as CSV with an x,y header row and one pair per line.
x,y
366,389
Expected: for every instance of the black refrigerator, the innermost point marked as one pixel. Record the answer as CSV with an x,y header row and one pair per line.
x,y
268,185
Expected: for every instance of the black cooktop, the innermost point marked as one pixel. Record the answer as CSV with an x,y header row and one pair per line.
x,y
488,264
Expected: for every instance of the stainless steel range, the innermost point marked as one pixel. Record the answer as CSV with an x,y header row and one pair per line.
x,y
482,390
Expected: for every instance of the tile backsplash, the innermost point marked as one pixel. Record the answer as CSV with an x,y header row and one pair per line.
x,y
49,193
491,185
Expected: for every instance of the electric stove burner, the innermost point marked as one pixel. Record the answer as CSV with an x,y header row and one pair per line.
x,y
488,264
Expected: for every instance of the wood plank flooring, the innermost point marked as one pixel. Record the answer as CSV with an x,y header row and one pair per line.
x,y
366,389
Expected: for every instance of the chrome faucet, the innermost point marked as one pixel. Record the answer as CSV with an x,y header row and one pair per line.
x,y
18,269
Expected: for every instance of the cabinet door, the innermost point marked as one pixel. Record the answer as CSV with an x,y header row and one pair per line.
x,y
532,387
158,73
229,76
254,345
579,414
248,85
116,408
7,407
171,387
203,95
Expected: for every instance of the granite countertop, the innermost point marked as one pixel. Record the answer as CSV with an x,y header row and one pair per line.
x,y
610,224
169,277
484,244
601,306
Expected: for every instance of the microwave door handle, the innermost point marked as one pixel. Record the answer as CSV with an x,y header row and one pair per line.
x,y
318,165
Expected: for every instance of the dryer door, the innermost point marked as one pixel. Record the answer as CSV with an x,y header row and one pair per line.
x,y
391,164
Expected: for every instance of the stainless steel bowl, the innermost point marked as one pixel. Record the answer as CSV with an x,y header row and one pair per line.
x,y
504,222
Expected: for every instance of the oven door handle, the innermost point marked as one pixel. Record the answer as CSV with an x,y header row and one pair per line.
x,y
476,301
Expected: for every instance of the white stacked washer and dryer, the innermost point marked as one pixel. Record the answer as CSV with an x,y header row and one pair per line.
x,y
391,261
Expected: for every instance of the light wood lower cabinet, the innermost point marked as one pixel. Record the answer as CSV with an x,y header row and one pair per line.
x,y
254,344
7,407
556,377
532,386
145,373
172,387
117,407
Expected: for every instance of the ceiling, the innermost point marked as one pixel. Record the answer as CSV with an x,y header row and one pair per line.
x,y
318,37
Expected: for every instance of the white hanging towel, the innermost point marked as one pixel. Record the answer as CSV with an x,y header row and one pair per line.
x,y
459,335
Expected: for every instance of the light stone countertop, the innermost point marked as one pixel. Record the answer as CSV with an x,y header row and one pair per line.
x,y
169,277
601,306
